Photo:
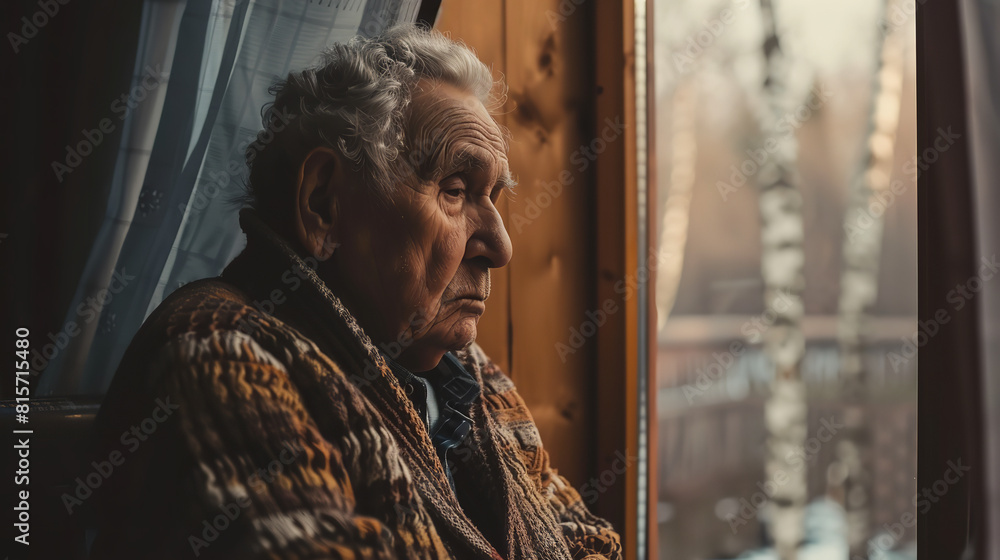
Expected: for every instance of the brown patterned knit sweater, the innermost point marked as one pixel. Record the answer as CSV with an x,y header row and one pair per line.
x,y
254,419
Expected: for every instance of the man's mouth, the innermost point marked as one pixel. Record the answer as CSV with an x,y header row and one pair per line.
x,y
474,287
474,303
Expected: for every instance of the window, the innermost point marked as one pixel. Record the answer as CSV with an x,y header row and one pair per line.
x,y
783,225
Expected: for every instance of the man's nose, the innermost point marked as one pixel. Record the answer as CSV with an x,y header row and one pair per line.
x,y
490,240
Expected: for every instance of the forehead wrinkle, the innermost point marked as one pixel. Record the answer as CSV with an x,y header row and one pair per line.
x,y
444,129
438,104
467,144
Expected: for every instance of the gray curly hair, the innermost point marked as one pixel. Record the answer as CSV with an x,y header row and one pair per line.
x,y
355,101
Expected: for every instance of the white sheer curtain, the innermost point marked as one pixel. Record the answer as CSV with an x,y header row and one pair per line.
x,y
171,215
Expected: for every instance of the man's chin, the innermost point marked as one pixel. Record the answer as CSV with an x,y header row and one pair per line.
x,y
465,333
426,353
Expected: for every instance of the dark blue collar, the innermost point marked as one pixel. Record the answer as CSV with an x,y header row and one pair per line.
x,y
456,390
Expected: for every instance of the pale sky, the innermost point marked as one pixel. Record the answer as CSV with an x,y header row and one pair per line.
x,y
822,37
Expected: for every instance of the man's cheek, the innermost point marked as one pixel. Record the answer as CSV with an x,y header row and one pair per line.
x,y
426,316
441,278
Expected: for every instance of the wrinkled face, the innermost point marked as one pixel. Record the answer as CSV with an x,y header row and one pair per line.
x,y
415,270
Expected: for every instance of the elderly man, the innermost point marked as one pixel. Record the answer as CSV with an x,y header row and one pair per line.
x,y
324,397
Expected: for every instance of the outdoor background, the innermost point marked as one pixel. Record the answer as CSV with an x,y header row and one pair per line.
x,y
843,85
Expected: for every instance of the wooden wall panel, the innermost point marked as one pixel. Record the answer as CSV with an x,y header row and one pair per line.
x,y
612,54
548,286
569,67
480,25
550,223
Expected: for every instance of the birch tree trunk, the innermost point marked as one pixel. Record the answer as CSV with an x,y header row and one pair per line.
x,y
862,245
782,260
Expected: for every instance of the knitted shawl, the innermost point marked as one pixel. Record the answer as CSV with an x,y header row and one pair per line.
x,y
251,417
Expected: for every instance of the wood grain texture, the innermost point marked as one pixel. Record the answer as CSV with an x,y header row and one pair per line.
x,y
480,25
547,288
568,69
551,275
610,244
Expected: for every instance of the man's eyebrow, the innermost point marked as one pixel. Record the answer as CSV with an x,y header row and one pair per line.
x,y
507,180
469,160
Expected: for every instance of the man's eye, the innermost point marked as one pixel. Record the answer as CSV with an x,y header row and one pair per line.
x,y
453,187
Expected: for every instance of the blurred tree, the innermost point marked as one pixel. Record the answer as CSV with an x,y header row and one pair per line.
x,y
676,212
782,259
868,200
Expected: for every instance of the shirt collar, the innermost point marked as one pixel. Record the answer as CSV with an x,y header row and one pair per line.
x,y
456,389
455,386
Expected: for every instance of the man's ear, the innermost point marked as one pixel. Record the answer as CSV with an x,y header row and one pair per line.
x,y
321,182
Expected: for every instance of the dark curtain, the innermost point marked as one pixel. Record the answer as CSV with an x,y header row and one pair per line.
x,y
981,20
950,408
55,85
